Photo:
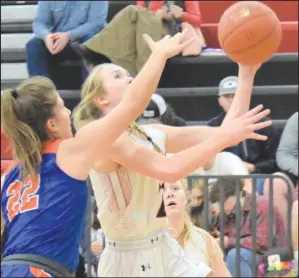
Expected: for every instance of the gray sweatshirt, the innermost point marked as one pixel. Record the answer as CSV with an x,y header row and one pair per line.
x,y
287,152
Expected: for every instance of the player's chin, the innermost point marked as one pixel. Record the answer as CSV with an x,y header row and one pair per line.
x,y
171,210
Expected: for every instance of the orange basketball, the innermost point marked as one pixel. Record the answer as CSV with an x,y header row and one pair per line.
x,y
249,32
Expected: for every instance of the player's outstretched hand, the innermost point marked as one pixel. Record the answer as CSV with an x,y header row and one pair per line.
x,y
245,127
169,45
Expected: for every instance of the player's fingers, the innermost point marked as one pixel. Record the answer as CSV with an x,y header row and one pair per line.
x,y
256,118
148,39
262,125
166,37
259,137
254,111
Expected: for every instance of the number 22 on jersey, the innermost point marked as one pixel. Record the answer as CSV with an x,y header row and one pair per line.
x,y
22,197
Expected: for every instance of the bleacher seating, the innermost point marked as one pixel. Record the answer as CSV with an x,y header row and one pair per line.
x,y
187,81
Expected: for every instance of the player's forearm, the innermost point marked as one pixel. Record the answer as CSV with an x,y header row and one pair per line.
x,y
243,94
145,84
181,138
189,160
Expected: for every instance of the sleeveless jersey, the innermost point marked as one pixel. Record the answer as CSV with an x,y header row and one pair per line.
x,y
129,202
45,217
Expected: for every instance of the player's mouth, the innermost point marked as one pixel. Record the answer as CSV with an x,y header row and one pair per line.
x,y
171,204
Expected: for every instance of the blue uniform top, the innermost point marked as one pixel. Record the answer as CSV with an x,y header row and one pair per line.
x,y
46,217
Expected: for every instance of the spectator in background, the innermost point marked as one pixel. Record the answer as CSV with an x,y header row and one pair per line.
x,y
158,111
262,217
257,156
225,164
287,152
155,18
287,160
195,207
56,25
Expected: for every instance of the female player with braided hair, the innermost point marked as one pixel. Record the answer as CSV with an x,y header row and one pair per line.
x,y
127,181
44,196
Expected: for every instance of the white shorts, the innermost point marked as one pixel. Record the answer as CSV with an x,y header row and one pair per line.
x,y
158,255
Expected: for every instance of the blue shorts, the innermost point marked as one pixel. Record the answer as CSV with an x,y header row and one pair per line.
x,y
21,270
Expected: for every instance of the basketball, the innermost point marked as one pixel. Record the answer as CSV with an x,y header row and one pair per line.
x,y
249,32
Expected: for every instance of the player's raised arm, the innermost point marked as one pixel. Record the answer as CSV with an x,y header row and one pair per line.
x,y
95,138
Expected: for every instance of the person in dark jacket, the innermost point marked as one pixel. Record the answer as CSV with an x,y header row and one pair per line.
x,y
258,156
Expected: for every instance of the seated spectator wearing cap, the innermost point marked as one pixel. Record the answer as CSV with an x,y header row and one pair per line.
x,y
155,18
229,186
158,111
278,262
56,25
257,156
225,164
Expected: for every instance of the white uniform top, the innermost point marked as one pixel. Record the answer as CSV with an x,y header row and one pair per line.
x,y
195,248
128,202
202,248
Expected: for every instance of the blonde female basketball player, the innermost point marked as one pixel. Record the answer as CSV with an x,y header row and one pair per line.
x,y
127,181
199,246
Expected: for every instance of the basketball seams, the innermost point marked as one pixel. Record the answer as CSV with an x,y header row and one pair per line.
x,y
242,25
258,42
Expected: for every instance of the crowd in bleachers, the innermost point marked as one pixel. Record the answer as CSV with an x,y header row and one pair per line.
x,y
78,30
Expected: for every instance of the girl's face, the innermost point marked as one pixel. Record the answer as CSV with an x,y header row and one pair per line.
x,y
175,198
115,82
197,197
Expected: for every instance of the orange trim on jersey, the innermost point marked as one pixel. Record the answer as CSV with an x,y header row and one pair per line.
x,y
51,146
39,272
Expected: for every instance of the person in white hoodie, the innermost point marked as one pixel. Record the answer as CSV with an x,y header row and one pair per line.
x,y
225,163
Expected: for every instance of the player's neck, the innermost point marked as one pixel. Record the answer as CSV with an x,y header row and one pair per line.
x,y
176,225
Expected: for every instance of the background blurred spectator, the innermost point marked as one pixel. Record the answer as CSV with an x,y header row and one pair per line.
x,y
262,222
225,163
155,18
287,160
195,207
287,152
158,111
258,156
56,25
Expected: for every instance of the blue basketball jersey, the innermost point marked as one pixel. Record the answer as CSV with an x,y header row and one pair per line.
x,y
44,217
